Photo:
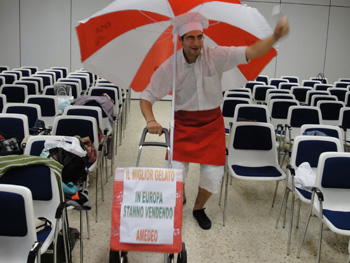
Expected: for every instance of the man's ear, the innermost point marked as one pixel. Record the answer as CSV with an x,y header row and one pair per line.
x,y
180,39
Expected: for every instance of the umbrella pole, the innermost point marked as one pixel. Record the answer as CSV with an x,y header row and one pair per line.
x,y
172,122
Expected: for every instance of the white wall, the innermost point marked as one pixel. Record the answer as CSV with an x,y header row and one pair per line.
x,y
42,33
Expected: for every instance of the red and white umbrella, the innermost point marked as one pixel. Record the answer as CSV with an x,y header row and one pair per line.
x,y
126,41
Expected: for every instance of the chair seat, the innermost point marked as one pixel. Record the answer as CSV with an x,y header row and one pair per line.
x,y
339,219
264,171
304,193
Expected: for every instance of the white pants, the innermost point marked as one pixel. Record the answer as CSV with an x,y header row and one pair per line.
x,y
210,175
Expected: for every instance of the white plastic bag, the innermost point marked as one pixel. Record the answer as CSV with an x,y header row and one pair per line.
x,y
305,177
70,144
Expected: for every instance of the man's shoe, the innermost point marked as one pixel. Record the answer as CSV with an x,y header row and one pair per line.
x,y
202,219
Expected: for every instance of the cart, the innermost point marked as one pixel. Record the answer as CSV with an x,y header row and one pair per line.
x,y
119,250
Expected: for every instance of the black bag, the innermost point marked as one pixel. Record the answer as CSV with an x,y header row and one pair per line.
x,y
73,165
10,144
321,78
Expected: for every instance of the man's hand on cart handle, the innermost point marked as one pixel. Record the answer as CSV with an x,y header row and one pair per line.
x,y
154,127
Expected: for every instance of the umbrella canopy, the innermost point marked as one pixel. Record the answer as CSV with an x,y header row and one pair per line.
x,y
129,39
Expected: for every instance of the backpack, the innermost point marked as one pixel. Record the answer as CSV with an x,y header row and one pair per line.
x,y
73,165
9,144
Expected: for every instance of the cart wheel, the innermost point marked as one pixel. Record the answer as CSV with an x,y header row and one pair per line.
x,y
168,258
114,256
182,256
124,257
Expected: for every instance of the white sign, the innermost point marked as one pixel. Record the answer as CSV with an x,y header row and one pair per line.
x,y
147,212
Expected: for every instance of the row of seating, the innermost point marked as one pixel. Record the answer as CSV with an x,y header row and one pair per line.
x,y
103,108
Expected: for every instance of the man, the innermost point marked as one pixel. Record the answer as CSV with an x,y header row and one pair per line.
x,y
199,133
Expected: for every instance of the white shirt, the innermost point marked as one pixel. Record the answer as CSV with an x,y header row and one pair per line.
x,y
198,85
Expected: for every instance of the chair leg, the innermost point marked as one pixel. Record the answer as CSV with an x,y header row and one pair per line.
x,y
290,224
298,215
81,237
222,185
283,204
304,234
275,194
285,210
225,199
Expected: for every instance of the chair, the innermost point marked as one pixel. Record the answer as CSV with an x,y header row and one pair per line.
x,y
291,79
252,154
228,110
347,99
330,111
14,124
17,73
300,93
344,123
310,83
259,93
24,72
84,79
237,94
32,69
312,93
287,85
305,149
251,112
263,78
40,82
73,80
2,80
250,84
324,87
17,225
277,96
339,92
34,146
9,77
43,179
104,126
47,79
298,116
14,92
82,126
48,105
32,86
75,88
276,81
52,75
92,77
63,69
3,68
58,73
328,130
341,84
316,98
2,101
331,205
243,90
279,111
32,111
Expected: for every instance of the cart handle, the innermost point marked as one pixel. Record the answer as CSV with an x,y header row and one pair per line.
x,y
162,144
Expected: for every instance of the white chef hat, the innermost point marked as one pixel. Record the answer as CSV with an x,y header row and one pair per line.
x,y
187,22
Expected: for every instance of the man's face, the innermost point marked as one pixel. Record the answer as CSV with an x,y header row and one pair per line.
x,y
192,43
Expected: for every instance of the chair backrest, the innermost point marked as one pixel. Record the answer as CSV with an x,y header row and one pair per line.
x,y
111,92
299,115
84,80
14,124
48,105
58,73
120,91
316,98
253,144
17,223
40,82
300,93
32,69
263,78
75,88
291,79
276,81
323,86
310,83
250,84
339,92
32,86
333,174
312,93
47,79
237,94
251,112
330,111
328,130
228,110
73,80
341,84
72,125
25,72
277,96
279,110
287,85
63,69
14,92
2,101
32,111
309,148
17,73
52,75
9,77
259,92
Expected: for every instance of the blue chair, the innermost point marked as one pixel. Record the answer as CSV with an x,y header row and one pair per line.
x,y
32,86
17,225
14,92
330,196
228,110
14,124
305,149
48,105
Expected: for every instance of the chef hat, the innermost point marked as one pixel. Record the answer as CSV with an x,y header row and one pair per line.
x,y
187,22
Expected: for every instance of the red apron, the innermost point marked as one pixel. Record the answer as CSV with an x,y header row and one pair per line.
x,y
199,137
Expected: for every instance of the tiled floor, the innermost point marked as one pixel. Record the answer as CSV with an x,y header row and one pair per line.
x,y
249,234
